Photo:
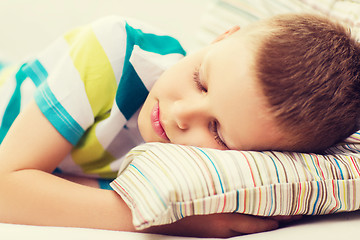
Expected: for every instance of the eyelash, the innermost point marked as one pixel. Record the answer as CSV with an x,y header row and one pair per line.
x,y
197,81
214,129
213,125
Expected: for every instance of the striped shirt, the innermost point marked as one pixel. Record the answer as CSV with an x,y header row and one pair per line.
x,y
90,85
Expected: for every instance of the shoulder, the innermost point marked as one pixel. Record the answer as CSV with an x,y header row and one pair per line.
x,y
128,27
136,32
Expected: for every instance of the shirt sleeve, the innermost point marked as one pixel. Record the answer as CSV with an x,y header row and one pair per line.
x,y
77,76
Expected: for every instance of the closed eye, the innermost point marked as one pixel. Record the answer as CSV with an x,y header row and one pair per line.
x,y
213,126
197,81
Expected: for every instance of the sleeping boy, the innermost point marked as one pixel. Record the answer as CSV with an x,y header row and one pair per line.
x,y
285,83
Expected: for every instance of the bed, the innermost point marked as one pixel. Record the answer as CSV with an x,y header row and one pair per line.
x,y
204,20
341,226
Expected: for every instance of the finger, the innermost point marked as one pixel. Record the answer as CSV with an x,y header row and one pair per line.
x,y
252,224
286,219
213,225
216,225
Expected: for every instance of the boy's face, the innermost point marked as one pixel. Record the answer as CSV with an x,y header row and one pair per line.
x,y
211,99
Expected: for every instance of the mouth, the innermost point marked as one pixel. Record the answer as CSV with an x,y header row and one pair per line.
x,y
156,123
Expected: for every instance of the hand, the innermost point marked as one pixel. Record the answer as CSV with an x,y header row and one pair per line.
x,y
221,225
284,220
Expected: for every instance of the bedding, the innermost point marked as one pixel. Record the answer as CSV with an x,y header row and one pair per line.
x,y
329,227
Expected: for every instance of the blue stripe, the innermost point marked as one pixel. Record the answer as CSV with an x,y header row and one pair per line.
x,y
105,184
338,166
181,209
57,171
221,184
350,147
316,169
340,202
272,191
13,108
160,44
57,114
153,187
237,201
2,65
276,169
131,92
272,198
317,198
36,72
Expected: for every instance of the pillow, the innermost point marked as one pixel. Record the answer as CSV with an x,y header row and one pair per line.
x,y
163,183
224,14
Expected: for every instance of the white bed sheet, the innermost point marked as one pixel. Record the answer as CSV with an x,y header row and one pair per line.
x,y
331,227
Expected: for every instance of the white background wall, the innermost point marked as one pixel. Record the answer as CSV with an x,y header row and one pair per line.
x,y
26,26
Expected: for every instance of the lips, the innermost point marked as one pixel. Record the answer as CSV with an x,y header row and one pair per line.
x,y
156,123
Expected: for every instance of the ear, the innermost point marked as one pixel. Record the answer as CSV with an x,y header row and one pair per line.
x,y
226,34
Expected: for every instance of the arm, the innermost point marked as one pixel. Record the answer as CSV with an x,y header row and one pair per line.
x,y
29,194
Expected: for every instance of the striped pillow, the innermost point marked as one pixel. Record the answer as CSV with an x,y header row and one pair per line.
x,y
163,183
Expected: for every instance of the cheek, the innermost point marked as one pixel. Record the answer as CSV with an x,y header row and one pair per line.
x,y
171,84
178,78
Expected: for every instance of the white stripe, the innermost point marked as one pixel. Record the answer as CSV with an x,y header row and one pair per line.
x,y
49,58
107,129
149,66
27,90
115,139
115,165
65,83
111,34
125,140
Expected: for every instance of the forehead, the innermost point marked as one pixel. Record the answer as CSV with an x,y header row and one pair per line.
x,y
236,96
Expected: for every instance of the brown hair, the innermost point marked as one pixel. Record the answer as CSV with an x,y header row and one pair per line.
x,y
308,67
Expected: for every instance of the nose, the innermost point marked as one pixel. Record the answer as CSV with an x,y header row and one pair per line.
x,y
188,113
